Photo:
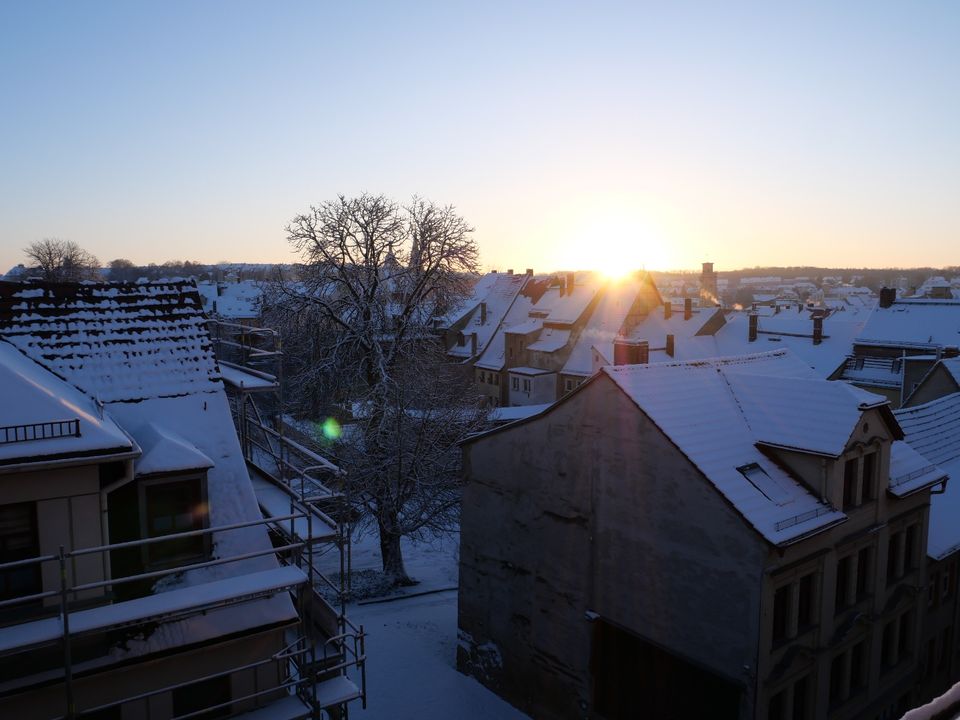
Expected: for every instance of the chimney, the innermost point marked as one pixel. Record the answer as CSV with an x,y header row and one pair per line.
x,y
571,278
799,307
818,330
530,272
776,309
753,306
687,308
483,313
667,310
473,344
887,296
670,345
630,352
752,332
510,271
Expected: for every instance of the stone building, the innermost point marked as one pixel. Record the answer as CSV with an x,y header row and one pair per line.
x,y
729,538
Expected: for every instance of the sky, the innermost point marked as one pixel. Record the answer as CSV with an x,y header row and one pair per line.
x,y
655,135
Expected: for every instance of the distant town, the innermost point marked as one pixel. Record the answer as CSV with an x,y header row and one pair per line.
x,y
223,484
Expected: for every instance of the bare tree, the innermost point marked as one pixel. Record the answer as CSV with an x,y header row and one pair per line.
x,y
63,260
376,275
123,270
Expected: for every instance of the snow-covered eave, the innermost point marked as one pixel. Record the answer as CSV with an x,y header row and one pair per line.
x,y
766,444
931,477
810,532
888,343
872,382
40,462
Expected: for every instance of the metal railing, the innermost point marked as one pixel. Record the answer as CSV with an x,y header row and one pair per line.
x,y
39,431
302,670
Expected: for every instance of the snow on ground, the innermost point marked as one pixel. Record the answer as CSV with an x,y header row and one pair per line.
x,y
412,642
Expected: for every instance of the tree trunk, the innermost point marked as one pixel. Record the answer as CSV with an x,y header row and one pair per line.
x,y
393,557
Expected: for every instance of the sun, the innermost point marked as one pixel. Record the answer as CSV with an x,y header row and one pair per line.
x,y
617,247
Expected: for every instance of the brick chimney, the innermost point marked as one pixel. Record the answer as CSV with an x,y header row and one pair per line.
x,y
530,272
510,271
752,330
887,296
667,310
473,344
818,329
687,308
483,313
571,279
630,352
670,345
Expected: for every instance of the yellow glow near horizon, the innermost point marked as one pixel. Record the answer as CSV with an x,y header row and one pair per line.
x,y
616,245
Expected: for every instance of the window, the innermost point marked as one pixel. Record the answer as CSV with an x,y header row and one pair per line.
x,y
850,484
18,541
848,673
568,384
869,489
836,679
781,612
895,556
794,607
858,666
526,385
897,643
844,573
169,507
945,644
859,480
910,547
864,572
514,383
805,602
948,581
496,379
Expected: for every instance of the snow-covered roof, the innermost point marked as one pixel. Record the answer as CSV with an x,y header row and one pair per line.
x,y
550,340
520,412
116,342
802,414
787,329
163,450
700,407
236,300
565,305
30,395
497,292
933,430
604,324
915,323
910,471
492,357
531,371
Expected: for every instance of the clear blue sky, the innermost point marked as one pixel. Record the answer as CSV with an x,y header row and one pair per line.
x,y
566,133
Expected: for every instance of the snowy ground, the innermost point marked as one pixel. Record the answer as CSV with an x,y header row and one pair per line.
x,y
412,643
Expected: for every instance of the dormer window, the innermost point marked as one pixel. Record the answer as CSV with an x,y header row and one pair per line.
x,y
859,480
172,505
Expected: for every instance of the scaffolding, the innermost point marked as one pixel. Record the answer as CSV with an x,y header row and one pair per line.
x,y
284,472
311,669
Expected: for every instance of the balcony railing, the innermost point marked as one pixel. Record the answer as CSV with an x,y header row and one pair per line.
x,y
39,431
